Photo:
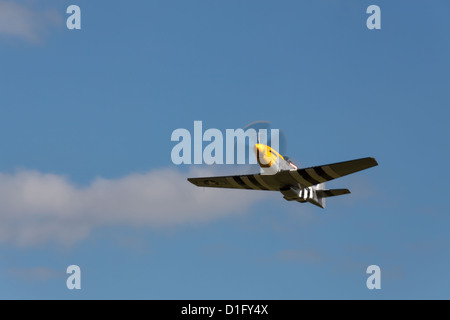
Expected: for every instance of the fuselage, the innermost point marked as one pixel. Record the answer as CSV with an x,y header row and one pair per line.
x,y
270,160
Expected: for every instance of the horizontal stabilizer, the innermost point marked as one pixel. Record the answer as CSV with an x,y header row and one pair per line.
x,y
331,193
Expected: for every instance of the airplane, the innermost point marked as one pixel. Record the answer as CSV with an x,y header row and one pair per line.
x,y
281,174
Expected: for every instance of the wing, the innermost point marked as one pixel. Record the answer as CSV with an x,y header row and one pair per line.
x,y
249,181
285,179
308,177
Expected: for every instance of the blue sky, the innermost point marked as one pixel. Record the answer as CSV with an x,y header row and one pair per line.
x,y
86,176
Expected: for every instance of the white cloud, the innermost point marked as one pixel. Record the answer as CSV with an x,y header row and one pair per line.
x,y
37,208
19,20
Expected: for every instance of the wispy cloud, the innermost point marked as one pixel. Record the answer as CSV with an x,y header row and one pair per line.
x,y
22,21
34,274
350,262
37,207
303,256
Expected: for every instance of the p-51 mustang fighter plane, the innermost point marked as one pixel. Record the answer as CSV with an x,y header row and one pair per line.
x,y
280,174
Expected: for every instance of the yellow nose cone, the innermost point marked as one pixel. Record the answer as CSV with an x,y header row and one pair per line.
x,y
265,155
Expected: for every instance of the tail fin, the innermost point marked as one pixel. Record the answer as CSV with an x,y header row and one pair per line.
x,y
315,199
320,194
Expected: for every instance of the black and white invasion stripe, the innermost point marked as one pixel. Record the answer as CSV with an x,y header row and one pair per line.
x,y
253,182
313,176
